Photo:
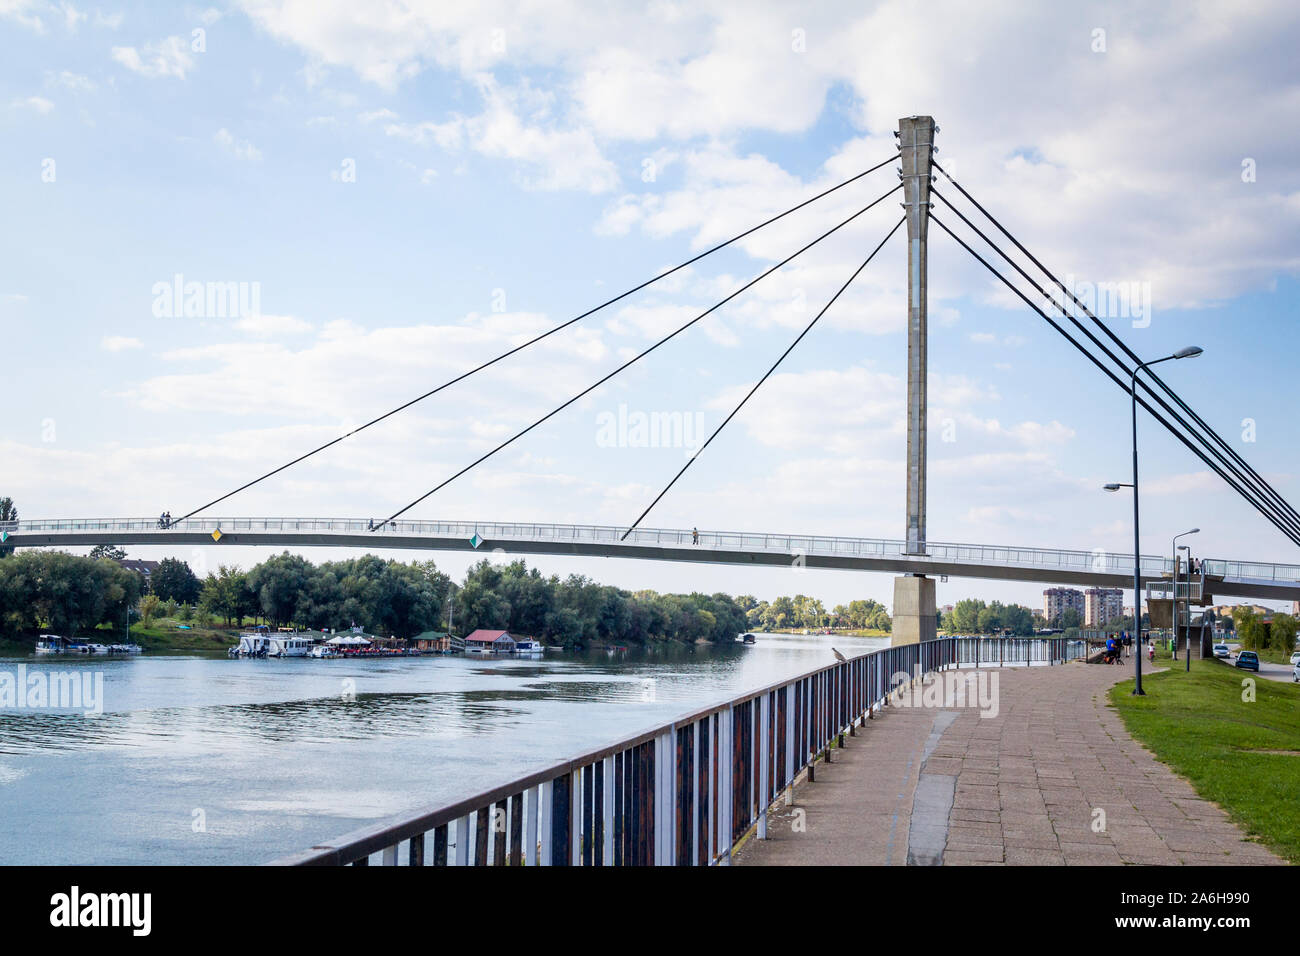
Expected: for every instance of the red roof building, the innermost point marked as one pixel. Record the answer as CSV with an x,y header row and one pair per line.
x,y
490,641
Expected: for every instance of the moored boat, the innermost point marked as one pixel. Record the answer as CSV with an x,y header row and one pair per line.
x,y
54,644
288,645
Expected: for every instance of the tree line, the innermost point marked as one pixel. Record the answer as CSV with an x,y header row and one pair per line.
x,y
809,612
973,616
68,594
64,593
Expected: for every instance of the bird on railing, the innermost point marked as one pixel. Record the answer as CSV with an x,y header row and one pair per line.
x,y
838,656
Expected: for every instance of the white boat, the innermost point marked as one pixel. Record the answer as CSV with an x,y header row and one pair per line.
x,y
125,648
97,648
288,645
324,652
54,644
252,645
529,647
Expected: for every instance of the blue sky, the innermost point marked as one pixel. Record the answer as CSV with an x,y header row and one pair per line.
x,y
501,157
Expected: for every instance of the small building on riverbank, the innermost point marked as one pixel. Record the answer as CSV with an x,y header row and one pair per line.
x,y
432,642
490,642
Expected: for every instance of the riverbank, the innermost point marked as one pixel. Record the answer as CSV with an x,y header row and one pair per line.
x,y
160,635
813,632
1238,753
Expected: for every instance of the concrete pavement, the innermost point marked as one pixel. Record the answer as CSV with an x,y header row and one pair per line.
x,y
1052,779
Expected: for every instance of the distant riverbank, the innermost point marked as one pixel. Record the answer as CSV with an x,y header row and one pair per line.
x,y
161,635
821,632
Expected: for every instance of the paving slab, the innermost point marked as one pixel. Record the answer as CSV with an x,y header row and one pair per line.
x,y
1052,779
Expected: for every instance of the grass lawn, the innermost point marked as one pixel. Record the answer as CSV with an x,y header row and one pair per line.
x,y
1199,725
164,634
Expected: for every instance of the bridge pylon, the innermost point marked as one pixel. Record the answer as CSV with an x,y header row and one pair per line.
x,y
914,604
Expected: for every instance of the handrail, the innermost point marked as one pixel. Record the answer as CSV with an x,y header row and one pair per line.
x,y
682,793
606,535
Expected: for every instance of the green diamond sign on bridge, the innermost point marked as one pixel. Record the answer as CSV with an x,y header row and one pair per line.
x,y
476,540
4,536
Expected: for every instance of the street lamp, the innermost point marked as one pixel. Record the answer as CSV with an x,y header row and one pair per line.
x,y
1190,351
1176,548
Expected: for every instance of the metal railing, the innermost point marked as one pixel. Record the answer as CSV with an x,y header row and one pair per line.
x,y
1048,559
1016,651
684,793
1161,590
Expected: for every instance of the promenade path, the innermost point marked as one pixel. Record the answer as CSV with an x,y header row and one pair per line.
x,y
920,786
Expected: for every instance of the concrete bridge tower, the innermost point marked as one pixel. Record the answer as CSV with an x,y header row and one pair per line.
x,y
914,605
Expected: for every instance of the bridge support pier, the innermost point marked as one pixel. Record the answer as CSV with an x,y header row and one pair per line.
x,y
914,610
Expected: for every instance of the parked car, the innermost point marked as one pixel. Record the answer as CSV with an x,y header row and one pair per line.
x,y
1248,660
1295,671
1295,658
1221,650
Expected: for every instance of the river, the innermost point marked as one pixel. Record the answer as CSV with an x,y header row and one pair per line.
x,y
217,761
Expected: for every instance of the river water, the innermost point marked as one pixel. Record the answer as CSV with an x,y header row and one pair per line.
x,y
218,761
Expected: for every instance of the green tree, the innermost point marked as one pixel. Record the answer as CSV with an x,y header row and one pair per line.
x,y
278,584
965,618
1249,630
148,608
8,515
1281,634
110,551
63,593
225,594
173,580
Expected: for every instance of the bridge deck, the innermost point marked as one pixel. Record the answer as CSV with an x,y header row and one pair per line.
x,y
1046,565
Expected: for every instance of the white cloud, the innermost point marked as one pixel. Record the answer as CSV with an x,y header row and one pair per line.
x,y
239,148
264,325
38,104
378,114
24,12
71,16
514,126
69,81
167,58
119,343
1057,168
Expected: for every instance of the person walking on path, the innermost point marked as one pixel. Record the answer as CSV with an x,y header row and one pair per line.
x,y
695,536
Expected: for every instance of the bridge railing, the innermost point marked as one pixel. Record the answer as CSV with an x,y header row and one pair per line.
x,y
494,532
684,793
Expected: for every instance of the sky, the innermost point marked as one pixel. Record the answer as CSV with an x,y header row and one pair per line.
x,y
399,191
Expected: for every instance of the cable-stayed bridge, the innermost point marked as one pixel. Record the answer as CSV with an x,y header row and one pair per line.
x,y
914,558
745,548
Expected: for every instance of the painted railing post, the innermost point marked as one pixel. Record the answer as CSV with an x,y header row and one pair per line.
x,y
607,812
548,808
693,784
726,779
462,841
764,710
531,800
788,756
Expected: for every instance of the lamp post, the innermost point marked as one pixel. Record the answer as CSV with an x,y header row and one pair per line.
x,y
1190,351
1176,548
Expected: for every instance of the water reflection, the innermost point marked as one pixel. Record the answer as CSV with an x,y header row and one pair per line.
x,y
281,754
